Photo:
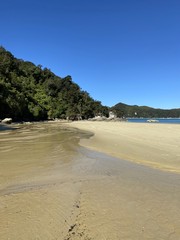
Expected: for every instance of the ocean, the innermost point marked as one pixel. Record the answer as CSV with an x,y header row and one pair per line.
x,y
160,120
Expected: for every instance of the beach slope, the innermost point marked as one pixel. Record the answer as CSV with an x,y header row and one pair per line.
x,y
155,145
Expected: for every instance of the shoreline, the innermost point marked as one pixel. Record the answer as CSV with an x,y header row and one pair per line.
x,y
152,145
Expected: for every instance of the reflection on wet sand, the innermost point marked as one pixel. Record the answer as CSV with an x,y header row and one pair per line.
x,y
50,188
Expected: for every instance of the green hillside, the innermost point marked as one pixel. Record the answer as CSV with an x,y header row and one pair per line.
x,y
124,110
30,92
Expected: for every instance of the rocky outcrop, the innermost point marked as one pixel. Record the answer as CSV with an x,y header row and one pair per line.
x,y
7,120
112,115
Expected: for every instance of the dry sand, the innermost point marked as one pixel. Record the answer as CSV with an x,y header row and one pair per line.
x,y
155,145
51,189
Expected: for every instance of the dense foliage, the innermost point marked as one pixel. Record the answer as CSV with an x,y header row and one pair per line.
x,y
124,110
28,92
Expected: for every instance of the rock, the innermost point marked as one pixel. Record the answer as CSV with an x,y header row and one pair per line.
x,y
112,115
7,120
98,118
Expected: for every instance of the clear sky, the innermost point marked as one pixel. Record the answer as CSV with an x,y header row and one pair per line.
x,y
117,50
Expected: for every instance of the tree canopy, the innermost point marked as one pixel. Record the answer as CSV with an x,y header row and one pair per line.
x,y
124,110
28,92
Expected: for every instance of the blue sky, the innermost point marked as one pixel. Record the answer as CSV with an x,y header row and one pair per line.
x,y
117,50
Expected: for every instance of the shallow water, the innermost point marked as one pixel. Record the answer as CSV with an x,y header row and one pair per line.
x,y
34,149
51,188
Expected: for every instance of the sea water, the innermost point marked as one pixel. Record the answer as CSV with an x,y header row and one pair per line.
x,y
160,120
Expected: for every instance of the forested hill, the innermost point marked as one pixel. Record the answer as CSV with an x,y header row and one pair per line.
x,y
28,92
124,110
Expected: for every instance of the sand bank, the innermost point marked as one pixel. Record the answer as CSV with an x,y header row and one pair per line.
x,y
155,145
52,188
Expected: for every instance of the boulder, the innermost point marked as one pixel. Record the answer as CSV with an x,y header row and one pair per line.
x,y
7,120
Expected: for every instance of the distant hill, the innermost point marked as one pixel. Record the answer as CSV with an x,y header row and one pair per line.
x,y
30,92
124,110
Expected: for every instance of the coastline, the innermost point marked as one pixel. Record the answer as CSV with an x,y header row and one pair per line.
x,y
153,145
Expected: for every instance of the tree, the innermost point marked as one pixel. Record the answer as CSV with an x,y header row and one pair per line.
x,y
28,92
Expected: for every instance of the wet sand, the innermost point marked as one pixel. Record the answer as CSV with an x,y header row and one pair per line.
x,y
52,188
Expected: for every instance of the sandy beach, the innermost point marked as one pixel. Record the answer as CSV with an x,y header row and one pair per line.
x,y
54,187
155,145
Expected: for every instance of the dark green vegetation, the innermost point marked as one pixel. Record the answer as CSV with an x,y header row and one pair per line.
x,y
124,110
28,92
